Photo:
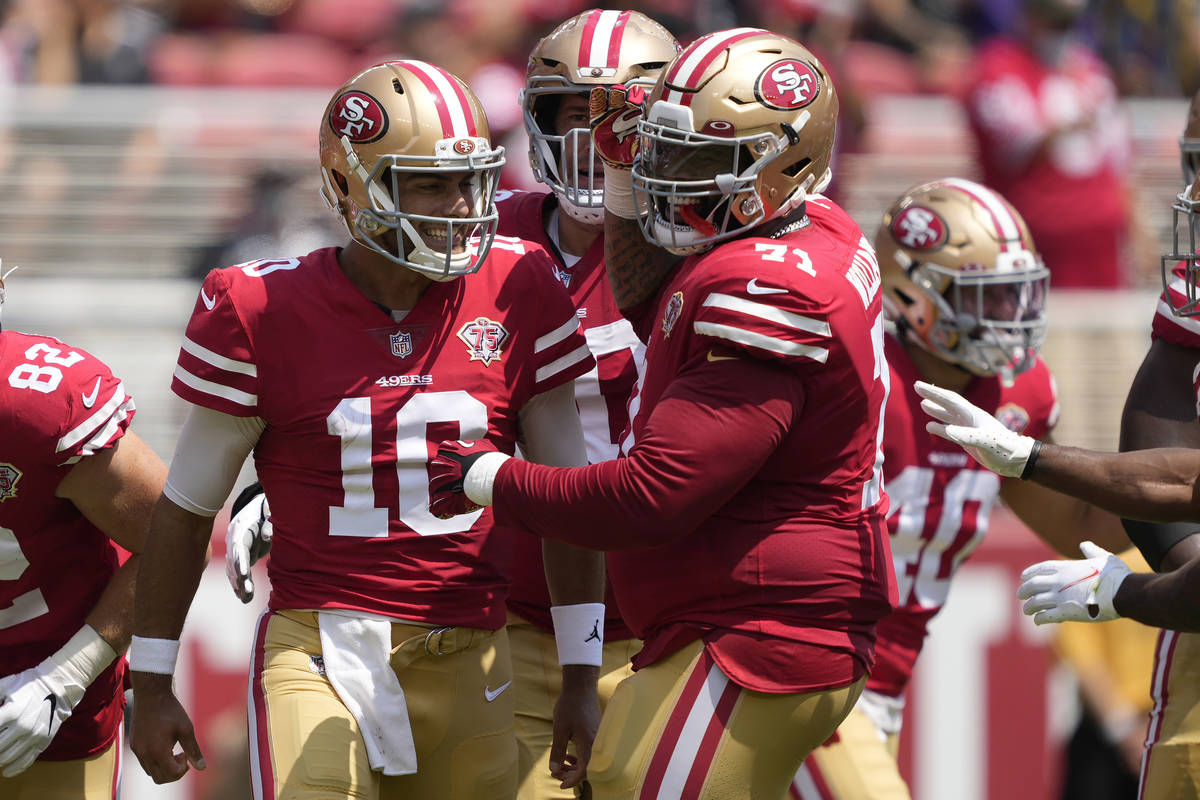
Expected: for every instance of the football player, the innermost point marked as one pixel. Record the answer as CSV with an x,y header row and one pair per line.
x,y
964,289
74,480
1160,412
745,521
595,48
381,667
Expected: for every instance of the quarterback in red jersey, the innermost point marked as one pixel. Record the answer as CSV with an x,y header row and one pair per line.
x,y
595,48
381,666
745,522
73,480
965,291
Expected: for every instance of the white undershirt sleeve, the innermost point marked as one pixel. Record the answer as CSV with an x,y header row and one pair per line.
x,y
209,454
550,429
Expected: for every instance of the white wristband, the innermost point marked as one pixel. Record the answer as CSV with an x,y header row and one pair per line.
x,y
478,482
618,193
153,655
579,633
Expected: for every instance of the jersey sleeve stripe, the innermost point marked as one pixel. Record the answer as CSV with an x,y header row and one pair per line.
x,y
103,437
216,389
89,426
1189,324
761,341
217,360
768,313
562,363
559,334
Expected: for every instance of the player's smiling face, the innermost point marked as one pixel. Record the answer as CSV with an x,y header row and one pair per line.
x,y
438,194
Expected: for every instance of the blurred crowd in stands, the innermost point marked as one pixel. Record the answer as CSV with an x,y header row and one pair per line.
x,y
1040,80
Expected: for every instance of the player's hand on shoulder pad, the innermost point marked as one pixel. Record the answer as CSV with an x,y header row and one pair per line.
x,y
35,705
247,539
614,113
1073,591
984,437
461,477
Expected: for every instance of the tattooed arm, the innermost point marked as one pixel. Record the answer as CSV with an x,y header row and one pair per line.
x,y
635,267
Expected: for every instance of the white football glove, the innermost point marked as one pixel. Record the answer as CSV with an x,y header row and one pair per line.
x,y
247,539
35,703
1073,591
984,437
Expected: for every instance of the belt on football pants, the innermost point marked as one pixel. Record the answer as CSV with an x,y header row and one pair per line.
x,y
439,642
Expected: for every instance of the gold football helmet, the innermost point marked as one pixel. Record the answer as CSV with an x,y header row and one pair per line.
x,y
738,131
1184,242
595,48
962,278
395,119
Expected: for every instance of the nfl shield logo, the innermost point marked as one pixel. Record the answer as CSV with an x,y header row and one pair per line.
x,y
401,344
9,475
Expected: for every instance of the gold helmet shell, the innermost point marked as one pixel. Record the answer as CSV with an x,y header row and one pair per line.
x,y
595,48
962,278
409,117
739,129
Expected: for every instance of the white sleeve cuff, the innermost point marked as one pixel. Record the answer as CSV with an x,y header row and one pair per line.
x,y
478,482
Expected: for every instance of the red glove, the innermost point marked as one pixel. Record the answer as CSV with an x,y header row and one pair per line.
x,y
614,114
447,471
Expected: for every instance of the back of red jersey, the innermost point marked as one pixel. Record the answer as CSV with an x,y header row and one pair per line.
x,y
58,404
602,393
799,551
355,404
940,500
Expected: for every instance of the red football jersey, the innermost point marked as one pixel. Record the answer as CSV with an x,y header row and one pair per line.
x,y
940,500
602,394
58,404
786,578
1071,192
355,405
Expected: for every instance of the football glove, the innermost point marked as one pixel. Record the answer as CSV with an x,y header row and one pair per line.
x,y
247,539
35,703
461,476
1073,591
984,437
614,114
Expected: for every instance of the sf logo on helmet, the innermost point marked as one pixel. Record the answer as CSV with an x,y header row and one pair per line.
x,y
787,85
918,228
358,116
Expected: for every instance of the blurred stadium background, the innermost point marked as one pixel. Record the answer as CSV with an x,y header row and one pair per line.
x,y
143,143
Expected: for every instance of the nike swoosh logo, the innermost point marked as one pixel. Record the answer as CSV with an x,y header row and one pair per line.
x,y
753,288
53,705
208,302
492,694
89,400
1087,577
711,357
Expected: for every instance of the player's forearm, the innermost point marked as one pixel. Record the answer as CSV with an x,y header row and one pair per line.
x,y
1168,600
635,267
1062,521
112,616
1146,484
172,564
573,574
